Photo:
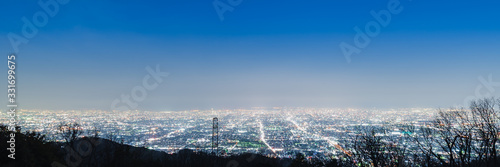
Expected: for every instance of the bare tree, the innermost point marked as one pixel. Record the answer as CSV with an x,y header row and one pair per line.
x,y
454,136
485,119
369,148
426,138
70,131
459,137
397,149
444,124
350,148
465,136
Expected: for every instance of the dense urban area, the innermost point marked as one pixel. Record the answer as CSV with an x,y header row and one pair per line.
x,y
279,132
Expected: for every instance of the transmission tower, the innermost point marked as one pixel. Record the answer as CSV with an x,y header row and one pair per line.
x,y
215,136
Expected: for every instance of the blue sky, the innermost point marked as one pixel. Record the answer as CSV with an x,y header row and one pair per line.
x,y
264,53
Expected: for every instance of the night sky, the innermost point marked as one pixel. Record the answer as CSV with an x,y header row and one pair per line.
x,y
262,53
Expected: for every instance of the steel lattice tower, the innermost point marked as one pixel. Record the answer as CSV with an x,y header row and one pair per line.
x,y
215,136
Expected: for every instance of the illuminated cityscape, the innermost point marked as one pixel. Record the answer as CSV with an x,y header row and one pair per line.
x,y
274,132
238,83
